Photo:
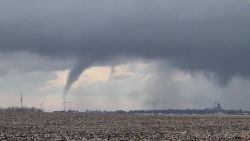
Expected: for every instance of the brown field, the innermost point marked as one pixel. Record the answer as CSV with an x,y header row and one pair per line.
x,y
65,126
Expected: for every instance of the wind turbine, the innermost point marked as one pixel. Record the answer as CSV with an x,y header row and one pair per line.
x,y
21,100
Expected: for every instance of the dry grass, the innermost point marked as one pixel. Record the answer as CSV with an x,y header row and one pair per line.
x,y
63,126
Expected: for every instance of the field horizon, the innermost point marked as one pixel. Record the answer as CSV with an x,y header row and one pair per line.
x,y
91,126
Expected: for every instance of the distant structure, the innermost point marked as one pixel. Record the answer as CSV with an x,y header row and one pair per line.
x,y
217,106
42,106
216,109
21,100
64,103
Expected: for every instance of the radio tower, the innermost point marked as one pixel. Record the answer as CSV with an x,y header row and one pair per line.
x,y
21,100
64,103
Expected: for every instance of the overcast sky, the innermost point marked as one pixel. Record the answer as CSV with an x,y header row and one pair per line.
x,y
108,55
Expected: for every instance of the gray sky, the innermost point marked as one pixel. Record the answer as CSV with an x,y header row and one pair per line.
x,y
190,51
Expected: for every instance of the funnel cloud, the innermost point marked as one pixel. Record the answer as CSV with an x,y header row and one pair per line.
x,y
75,73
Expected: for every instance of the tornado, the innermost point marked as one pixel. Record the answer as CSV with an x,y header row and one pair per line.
x,y
74,74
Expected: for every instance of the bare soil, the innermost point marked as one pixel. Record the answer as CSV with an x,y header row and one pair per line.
x,y
82,126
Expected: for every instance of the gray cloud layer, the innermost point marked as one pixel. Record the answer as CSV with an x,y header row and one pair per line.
x,y
195,35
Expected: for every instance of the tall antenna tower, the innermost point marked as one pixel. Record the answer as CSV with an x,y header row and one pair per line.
x,y
64,103
21,100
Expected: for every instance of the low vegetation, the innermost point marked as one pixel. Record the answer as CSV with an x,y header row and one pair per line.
x,y
18,109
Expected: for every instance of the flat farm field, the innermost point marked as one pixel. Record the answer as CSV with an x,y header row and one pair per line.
x,y
82,126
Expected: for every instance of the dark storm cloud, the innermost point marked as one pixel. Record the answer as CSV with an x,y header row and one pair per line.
x,y
195,35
